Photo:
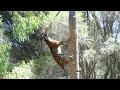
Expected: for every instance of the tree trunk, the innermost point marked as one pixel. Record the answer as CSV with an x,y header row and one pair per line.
x,y
73,67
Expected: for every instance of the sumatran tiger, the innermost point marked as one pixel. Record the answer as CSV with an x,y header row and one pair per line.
x,y
55,48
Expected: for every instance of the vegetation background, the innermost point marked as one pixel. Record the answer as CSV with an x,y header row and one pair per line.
x,y
22,56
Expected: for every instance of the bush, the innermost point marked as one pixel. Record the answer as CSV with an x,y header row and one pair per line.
x,y
4,52
21,71
4,57
40,64
30,70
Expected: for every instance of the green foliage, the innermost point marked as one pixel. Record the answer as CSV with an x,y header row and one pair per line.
x,y
23,26
62,18
109,47
4,57
24,23
30,70
40,64
21,71
4,54
91,43
89,54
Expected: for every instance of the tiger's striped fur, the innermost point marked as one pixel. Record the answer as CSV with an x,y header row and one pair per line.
x,y
55,48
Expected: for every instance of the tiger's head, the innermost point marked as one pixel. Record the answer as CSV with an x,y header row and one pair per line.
x,y
44,36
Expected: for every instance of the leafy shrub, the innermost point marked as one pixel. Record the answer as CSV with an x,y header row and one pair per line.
x,y
33,69
4,53
40,64
21,71
4,57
